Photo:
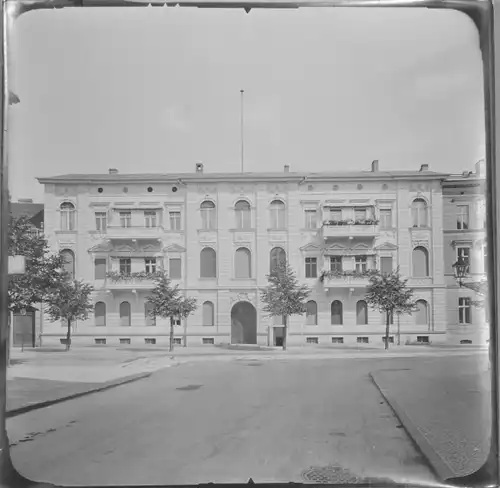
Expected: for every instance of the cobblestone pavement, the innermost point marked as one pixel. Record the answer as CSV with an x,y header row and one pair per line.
x,y
449,402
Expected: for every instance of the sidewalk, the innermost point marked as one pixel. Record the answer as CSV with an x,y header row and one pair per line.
x,y
447,413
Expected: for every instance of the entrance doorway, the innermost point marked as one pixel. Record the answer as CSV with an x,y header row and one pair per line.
x,y
278,334
243,323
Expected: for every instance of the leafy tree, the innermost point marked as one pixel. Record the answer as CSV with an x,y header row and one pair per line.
x,y
168,302
284,296
70,301
389,294
44,270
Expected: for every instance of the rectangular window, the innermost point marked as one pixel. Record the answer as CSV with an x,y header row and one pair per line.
x,y
96,341
386,264
150,218
361,264
150,265
464,310
391,339
386,218
177,341
463,254
126,219
359,214
208,218
125,266
101,221
311,268
124,341
337,340
311,219
175,268
423,339
336,263
362,340
150,340
175,220
335,214
208,340
462,217
100,269
312,340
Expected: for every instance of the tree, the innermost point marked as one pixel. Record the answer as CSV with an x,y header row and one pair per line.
x,y
70,301
168,302
44,270
389,294
284,296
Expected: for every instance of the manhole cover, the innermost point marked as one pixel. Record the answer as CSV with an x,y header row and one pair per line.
x,y
189,387
330,474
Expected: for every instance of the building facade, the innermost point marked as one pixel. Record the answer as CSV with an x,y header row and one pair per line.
x,y
217,236
464,228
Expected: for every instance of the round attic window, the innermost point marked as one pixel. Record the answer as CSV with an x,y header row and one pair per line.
x,y
150,189
100,190
360,186
335,187
174,189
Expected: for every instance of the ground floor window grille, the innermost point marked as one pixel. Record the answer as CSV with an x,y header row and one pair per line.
x,y
423,339
150,340
124,341
312,340
177,340
208,340
100,341
391,340
337,340
362,340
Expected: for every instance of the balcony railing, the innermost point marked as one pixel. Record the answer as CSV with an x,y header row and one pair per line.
x,y
350,228
342,279
133,231
141,280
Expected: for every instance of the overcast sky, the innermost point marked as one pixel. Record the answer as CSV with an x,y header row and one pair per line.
x,y
158,89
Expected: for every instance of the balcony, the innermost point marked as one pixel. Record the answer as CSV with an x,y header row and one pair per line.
x,y
133,232
346,279
350,228
133,281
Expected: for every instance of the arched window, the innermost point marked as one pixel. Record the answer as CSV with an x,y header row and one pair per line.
x,y
422,314
69,262
100,313
150,320
208,263
336,310
208,216
419,212
243,215
67,216
125,315
311,313
420,262
278,256
208,313
278,215
361,313
243,263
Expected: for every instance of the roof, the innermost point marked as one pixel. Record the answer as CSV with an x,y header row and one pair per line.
x,y
261,176
33,210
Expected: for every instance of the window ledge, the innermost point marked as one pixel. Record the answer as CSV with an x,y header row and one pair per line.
x,y
250,229
207,230
278,229
207,278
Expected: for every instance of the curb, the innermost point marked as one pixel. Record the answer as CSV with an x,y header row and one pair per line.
x,y
434,460
36,406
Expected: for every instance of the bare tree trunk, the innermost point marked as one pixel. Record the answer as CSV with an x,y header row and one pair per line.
x,y
68,336
387,325
285,330
171,334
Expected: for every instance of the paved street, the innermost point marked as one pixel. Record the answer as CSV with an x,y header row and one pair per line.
x,y
225,422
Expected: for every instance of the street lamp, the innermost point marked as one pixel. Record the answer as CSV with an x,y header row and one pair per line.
x,y
461,270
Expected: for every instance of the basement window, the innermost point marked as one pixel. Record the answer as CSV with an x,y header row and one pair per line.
x,y
208,340
177,340
362,340
150,340
337,340
312,340
465,341
124,341
391,339
423,339
100,341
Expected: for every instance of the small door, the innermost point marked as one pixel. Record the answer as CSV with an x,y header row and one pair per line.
x,y
278,333
24,330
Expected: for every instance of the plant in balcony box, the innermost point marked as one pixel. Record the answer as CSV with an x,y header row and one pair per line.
x,y
389,294
168,302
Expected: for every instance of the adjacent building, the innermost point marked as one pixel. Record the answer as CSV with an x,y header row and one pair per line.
x,y
218,235
464,228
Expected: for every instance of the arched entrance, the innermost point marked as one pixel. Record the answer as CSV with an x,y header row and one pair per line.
x,y
243,323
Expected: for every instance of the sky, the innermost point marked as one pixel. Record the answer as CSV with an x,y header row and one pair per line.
x,y
158,90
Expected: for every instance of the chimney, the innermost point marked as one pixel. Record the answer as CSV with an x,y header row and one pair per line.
x,y
287,168
424,167
199,167
480,169
375,166
25,200
113,171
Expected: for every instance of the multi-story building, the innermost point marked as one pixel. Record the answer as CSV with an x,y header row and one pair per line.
x,y
218,235
27,324
464,227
